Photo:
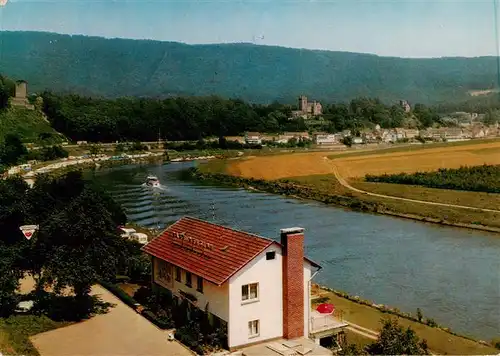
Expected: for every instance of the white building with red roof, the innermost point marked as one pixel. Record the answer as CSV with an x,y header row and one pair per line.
x,y
259,287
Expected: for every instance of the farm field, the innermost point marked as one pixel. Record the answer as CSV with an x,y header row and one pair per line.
x,y
369,161
424,160
316,170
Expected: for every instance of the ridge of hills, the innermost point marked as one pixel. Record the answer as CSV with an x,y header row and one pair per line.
x,y
121,67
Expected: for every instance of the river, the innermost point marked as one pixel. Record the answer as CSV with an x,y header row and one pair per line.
x,y
452,274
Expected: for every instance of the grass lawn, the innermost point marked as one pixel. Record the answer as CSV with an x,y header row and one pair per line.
x,y
28,124
448,196
439,341
327,183
214,166
357,339
129,288
16,330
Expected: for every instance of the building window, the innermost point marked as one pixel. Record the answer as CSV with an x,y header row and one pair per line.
x,y
178,274
253,328
188,279
271,255
250,292
199,284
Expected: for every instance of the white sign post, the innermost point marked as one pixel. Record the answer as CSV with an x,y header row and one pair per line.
x,y
28,230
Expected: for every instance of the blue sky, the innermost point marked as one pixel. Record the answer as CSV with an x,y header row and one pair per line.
x,y
405,28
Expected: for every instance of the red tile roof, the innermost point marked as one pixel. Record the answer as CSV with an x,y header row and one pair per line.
x,y
208,250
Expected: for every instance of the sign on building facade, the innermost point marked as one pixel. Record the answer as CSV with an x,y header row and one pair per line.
x,y
163,274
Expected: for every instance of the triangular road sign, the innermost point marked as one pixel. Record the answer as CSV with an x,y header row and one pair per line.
x,y
28,230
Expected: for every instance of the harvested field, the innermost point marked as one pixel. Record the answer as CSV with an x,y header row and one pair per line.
x,y
430,159
362,162
282,166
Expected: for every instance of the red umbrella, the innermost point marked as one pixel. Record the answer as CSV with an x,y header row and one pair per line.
x,y
325,308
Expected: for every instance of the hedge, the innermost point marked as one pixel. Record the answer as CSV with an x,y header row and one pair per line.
x,y
127,299
117,291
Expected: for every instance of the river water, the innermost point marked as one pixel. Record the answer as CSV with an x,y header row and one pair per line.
x,y
452,274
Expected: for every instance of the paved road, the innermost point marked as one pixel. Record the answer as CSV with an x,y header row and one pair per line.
x,y
348,186
120,332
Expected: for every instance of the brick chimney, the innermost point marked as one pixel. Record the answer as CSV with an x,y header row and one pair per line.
x,y
292,240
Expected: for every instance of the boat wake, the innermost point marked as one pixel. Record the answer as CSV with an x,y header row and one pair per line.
x,y
158,187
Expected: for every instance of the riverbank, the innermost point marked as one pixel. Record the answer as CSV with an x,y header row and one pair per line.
x,y
327,190
367,314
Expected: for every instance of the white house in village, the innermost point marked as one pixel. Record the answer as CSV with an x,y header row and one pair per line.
x,y
257,287
253,138
324,138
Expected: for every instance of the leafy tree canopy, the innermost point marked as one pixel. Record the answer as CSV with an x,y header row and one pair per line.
x,y
77,243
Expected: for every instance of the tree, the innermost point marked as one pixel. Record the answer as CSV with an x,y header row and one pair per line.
x,y
9,280
94,150
352,350
12,151
394,340
419,315
4,97
347,141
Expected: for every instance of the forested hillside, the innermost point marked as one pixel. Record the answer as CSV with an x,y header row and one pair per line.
x,y
118,67
193,118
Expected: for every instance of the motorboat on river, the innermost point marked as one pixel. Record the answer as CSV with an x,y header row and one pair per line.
x,y
152,181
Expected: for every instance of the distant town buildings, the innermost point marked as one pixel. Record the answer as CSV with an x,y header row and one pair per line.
x,y
404,104
308,108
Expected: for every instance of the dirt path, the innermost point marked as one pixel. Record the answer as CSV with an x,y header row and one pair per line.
x,y
348,186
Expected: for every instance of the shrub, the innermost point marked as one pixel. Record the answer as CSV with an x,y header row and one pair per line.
x,y
122,279
431,322
496,343
144,295
117,291
161,322
321,300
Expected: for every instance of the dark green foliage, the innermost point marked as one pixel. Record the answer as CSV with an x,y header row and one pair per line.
x,y
12,151
29,125
419,315
163,322
431,323
477,178
49,153
352,350
144,295
152,68
117,291
9,280
496,343
394,340
128,119
137,146
4,97
195,118
76,244
122,279
68,308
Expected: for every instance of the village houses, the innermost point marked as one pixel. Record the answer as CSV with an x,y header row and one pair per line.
x,y
253,138
259,288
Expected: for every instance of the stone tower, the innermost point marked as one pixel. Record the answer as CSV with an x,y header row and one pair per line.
x,y
303,103
21,89
21,98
